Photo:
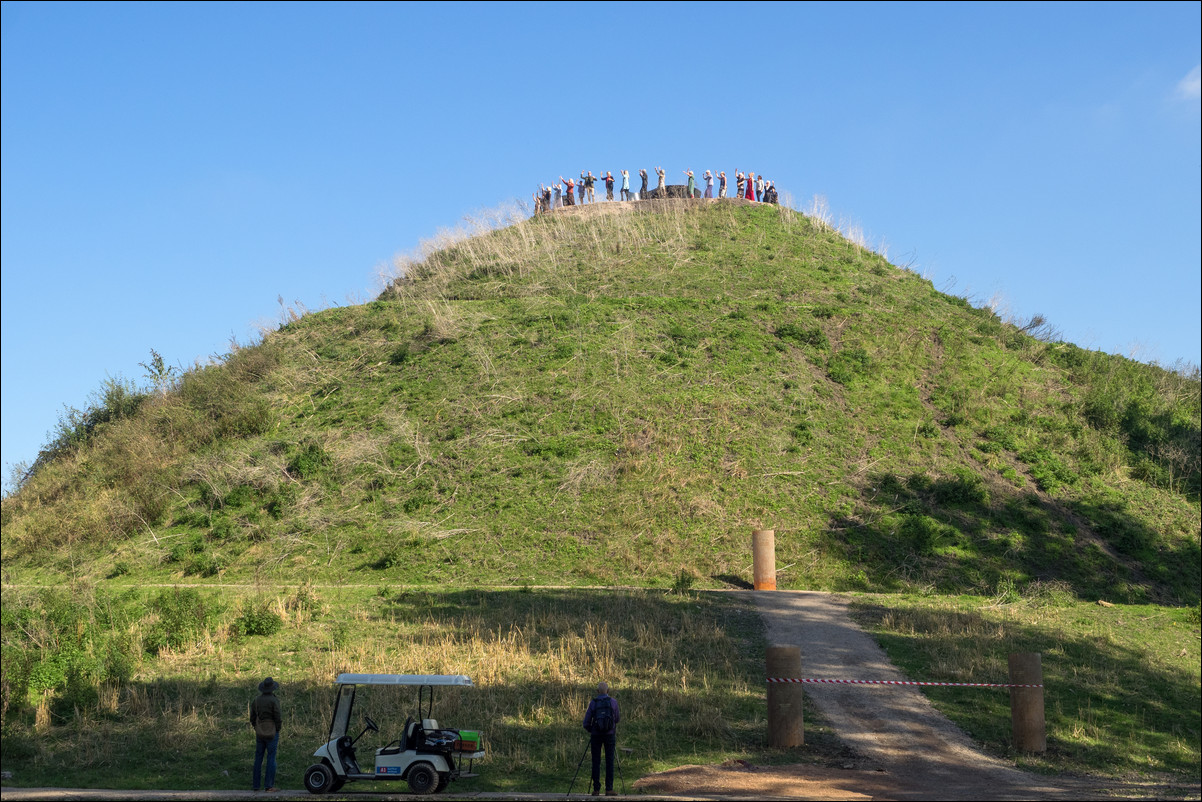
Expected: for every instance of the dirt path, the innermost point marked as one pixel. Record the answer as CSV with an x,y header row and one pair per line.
x,y
905,748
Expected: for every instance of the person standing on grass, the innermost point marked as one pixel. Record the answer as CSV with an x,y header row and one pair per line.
x,y
625,185
609,185
266,721
750,186
722,184
659,189
601,722
739,184
709,184
568,186
558,190
643,191
759,188
546,199
692,184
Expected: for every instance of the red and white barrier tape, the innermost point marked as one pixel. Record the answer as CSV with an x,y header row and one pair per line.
x,y
901,682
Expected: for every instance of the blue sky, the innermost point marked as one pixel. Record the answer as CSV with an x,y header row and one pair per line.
x,y
168,171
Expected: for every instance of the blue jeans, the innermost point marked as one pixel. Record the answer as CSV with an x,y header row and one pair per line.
x,y
268,746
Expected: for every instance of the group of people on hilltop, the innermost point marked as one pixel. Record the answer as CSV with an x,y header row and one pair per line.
x,y
748,186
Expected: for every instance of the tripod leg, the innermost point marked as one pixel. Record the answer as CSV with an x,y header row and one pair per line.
x,y
578,765
621,776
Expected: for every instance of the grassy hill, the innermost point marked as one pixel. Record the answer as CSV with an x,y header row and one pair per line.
x,y
620,398
612,397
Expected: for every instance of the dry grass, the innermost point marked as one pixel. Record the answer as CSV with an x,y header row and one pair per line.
x,y
683,668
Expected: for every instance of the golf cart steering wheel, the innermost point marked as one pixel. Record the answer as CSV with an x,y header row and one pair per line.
x,y
371,725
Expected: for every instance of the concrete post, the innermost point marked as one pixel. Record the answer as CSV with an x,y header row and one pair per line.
x,y
763,558
1026,704
786,725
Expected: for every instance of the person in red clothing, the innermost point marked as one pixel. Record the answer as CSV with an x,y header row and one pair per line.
x,y
750,186
568,186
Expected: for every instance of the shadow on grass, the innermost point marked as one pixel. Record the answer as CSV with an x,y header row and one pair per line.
x,y
1110,708
957,535
686,669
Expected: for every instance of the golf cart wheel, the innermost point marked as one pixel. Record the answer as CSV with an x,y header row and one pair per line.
x,y
423,779
319,778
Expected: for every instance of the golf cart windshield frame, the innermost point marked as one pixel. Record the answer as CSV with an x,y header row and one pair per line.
x,y
345,700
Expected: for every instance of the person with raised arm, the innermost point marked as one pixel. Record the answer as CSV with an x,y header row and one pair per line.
x,y
568,186
692,184
722,184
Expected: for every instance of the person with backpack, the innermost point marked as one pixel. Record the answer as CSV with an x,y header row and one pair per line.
x,y
601,722
266,720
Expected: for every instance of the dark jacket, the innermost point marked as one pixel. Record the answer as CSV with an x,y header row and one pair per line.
x,y
592,709
266,706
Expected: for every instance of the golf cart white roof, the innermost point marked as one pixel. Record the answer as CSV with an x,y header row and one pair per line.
x,y
403,679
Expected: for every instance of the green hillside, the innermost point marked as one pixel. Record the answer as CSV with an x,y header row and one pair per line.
x,y
619,398
611,397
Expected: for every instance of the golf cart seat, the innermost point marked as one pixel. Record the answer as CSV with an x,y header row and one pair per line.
x,y
398,746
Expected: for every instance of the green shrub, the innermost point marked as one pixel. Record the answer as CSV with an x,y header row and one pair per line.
x,y
399,355
183,616
116,399
308,460
847,365
962,488
803,335
257,618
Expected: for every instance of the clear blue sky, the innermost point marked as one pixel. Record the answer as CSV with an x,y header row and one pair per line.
x,y
169,170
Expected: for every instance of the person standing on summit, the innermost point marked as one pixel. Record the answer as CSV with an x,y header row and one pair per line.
x,y
643,189
625,185
659,189
601,721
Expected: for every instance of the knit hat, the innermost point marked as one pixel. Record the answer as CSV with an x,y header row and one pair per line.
x,y
268,686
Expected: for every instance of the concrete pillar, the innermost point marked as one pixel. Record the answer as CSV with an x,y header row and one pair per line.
x,y
786,726
763,558
1026,704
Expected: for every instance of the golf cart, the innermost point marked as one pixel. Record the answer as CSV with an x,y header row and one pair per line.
x,y
426,755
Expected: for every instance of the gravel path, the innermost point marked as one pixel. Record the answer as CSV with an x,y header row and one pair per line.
x,y
891,728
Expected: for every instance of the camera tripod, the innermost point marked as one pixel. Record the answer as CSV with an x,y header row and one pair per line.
x,y
617,760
